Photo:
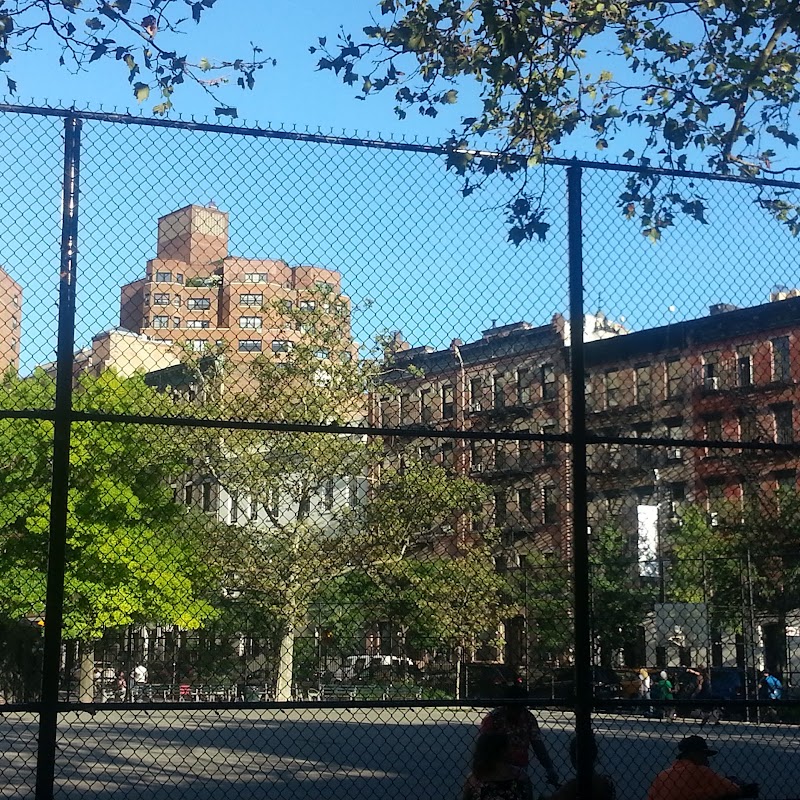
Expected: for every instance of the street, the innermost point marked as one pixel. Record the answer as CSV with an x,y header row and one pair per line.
x,y
341,753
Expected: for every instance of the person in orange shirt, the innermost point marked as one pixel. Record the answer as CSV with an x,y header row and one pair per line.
x,y
690,777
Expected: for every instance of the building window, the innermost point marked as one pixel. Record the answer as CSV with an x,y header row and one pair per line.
x,y
249,345
523,386
179,278
250,300
281,346
160,321
274,503
426,405
499,384
329,487
198,303
643,380
163,277
644,455
307,305
548,445
234,508
198,323
548,374
744,366
781,366
711,370
161,299
476,454
674,378
404,402
784,428
188,494
198,345
448,402
256,277
476,394
176,322
207,497
715,497
613,386
748,426
250,322
713,429
500,509
525,504
352,493
549,507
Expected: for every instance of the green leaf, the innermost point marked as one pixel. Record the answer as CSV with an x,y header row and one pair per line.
x,y
205,65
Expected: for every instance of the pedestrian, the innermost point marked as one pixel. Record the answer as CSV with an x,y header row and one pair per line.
x,y
645,686
770,689
515,720
120,685
708,713
139,681
602,785
663,691
493,776
690,777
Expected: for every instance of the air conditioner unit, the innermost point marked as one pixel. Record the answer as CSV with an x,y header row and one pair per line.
x,y
713,519
712,382
475,407
478,467
675,454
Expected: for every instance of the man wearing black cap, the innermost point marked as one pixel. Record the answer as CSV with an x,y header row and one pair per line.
x,y
690,777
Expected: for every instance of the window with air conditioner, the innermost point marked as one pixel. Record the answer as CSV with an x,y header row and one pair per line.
x,y
198,323
161,299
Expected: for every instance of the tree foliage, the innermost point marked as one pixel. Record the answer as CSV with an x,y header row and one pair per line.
x,y
323,508
141,36
711,79
130,556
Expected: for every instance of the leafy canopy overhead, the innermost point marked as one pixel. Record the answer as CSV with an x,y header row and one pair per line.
x,y
710,79
139,35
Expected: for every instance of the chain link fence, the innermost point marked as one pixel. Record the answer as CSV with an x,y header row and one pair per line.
x,y
308,466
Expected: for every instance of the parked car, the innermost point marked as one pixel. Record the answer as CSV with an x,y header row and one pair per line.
x,y
560,685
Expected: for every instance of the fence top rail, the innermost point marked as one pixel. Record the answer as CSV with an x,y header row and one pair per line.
x,y
116,118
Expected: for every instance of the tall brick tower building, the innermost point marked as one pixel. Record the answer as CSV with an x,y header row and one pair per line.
x,y
196,294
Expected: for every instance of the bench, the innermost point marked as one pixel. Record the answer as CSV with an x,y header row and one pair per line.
x,y
339,691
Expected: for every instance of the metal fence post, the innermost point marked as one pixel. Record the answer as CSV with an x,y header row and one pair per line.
x,y
54,608
580,534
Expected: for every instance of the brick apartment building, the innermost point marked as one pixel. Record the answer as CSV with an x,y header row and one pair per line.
x,y
732,375
196,294
10,322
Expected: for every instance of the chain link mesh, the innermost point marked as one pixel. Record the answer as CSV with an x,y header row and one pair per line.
x,y
319,518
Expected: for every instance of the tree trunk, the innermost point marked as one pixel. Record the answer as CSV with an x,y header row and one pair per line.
x,y
283,685
86,686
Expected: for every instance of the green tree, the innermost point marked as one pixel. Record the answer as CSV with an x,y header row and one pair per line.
x,y
130,558
756,551
713,80
143,37
310,488
619,601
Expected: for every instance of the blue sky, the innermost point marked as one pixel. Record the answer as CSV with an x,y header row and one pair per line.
x,y
415,254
